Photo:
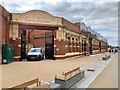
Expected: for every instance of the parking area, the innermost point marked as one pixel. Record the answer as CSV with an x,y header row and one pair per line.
x,y
19,72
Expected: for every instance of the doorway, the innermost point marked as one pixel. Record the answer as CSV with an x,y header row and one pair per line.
x,y
48,38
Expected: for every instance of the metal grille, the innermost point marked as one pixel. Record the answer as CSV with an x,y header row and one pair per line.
x,y
49,37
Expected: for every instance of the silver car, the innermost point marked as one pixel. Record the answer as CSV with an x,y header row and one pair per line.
x,y
35,54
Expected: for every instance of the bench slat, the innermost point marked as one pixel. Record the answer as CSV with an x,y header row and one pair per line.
x,y
23,85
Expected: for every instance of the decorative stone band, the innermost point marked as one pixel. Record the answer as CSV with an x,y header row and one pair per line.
x,y
68,55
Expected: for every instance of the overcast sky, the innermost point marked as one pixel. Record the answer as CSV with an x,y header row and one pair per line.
x,y
102,15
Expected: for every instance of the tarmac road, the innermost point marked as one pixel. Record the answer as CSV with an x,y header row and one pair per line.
x,y
108,78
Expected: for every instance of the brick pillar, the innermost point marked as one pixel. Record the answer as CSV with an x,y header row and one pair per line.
x,y
80,47
68,46
70,49
73,46
76,46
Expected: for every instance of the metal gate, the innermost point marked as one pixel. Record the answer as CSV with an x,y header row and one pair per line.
x,y
49,45
48,39
23,44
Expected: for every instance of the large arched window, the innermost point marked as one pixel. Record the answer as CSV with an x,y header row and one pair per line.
x,y
68,38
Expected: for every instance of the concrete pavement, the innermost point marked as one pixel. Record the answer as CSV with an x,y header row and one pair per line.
x,y
108,78
92,70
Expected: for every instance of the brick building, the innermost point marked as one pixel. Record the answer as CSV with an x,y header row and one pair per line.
x,y
56,35
5,18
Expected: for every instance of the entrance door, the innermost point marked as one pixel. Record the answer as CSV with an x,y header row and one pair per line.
x,y
23,44
49,51
49,45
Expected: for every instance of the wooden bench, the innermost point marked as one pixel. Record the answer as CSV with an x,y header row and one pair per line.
x,y
23,86
69,78
68,74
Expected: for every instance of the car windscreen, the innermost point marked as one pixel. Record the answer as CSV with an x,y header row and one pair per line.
x,y
35,50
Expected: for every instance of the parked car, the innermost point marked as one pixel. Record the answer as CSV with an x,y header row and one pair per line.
x,y
35,54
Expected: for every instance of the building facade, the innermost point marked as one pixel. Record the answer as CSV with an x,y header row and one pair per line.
x,y
58,37
5,18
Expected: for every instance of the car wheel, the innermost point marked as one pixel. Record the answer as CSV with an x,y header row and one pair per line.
x,y
42,57
28,59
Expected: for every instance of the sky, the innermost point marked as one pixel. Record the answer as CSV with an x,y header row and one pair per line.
x,y
101,15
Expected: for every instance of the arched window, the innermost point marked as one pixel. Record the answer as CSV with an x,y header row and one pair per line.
x,y
72,38
68,38
76,39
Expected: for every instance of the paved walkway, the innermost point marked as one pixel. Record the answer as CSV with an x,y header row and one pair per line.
x,y
99,67
108,78
19,72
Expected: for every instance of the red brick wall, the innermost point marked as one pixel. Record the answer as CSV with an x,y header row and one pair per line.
x,y
77,24
70,25
5,18
17,50
16,43
61,45
38,42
